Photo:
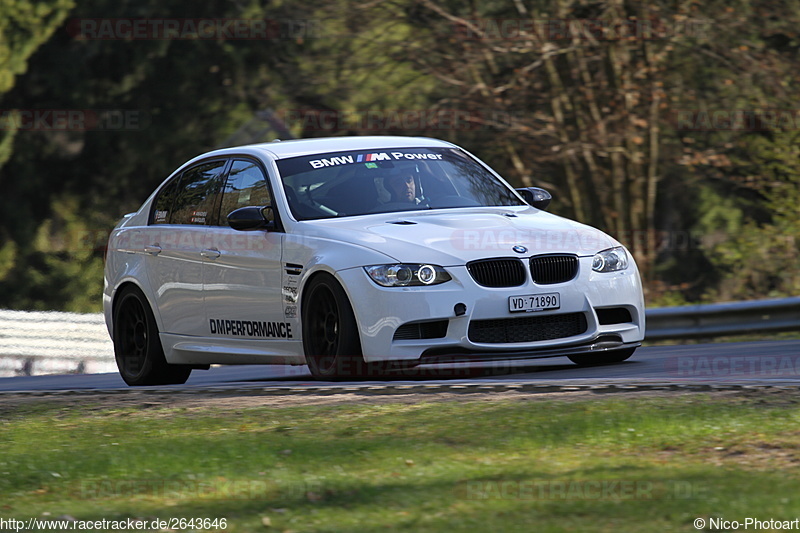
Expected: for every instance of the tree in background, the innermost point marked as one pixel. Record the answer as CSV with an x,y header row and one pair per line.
x,y
63,189
24,26
760,258
591,99
582,97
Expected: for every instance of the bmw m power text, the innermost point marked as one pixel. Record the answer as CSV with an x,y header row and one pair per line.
x,y
351,254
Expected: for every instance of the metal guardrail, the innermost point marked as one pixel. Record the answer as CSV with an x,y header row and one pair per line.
x,y
33,343
718,320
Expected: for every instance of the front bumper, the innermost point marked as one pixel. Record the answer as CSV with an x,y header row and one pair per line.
x,y
380,311
602,344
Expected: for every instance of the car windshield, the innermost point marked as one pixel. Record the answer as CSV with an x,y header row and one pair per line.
x,y
361,182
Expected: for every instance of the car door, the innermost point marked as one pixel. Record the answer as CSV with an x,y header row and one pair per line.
x,y
175,246
242,283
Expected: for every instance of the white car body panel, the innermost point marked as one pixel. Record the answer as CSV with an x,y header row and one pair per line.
x,y
260,276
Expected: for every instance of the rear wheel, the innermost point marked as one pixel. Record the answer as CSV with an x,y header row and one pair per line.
x,y
330,332
606,358
137,348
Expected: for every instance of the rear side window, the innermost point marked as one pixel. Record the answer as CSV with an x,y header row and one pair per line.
x,y
197,194
163,204
246,186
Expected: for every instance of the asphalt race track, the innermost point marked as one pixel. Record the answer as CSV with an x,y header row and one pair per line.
x,y
774,363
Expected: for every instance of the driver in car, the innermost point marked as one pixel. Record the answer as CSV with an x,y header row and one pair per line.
x,y
403,188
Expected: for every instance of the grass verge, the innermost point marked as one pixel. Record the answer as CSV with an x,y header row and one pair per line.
x,y
617,463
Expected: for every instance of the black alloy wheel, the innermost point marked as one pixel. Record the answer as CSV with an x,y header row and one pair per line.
x,y
330,333
137,347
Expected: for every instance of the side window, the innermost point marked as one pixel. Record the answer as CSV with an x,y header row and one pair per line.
x,y
162,207
197,194
246,186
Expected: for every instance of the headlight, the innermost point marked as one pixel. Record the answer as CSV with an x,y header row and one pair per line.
x,y
610,260
407,275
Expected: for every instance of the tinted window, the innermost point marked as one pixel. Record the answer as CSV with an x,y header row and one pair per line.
x,y
197,195
379,181
246,186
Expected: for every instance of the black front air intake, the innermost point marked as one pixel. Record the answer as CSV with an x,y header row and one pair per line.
x,y
527,329
436,329
613,315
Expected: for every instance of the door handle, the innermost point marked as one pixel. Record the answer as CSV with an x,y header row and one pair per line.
x,y
211,253
152,249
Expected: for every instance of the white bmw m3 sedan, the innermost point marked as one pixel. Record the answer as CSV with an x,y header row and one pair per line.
x,y
355,255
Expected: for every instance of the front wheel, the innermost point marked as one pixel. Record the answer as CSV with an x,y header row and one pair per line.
x,y
606,358
330,333
137,348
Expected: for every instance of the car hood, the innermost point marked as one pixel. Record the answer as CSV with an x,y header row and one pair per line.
x,y
450,237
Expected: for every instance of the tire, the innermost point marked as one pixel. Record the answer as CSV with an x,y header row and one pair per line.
x,y
137,347
606,358
330,333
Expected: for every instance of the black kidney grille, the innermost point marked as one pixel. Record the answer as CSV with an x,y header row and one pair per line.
x,y
527,329
547,269
509,272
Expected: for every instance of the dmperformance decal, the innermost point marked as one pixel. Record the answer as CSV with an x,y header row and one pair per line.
x,y
251,328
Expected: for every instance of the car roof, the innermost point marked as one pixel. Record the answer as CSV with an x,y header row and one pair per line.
x,y
301,147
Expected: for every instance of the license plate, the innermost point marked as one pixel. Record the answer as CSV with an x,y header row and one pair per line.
x,y
534,302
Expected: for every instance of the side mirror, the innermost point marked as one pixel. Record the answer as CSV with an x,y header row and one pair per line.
x,y
535,196
250,218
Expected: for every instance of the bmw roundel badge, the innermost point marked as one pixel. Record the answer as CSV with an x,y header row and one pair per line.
x,y
520,249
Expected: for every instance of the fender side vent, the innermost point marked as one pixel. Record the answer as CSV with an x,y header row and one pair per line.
x,y
293,269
